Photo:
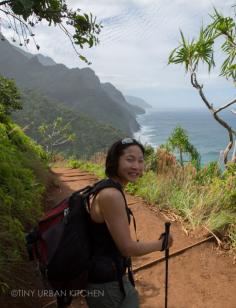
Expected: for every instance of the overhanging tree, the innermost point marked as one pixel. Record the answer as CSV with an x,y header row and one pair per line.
x,y
23,15
203,49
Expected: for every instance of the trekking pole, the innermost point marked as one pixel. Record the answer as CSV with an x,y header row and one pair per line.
x,y
167,231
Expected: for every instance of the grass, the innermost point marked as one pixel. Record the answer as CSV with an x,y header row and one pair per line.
x,y
96,169
203,198
23,178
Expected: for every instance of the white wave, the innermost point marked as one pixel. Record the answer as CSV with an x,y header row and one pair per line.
x,y
144,136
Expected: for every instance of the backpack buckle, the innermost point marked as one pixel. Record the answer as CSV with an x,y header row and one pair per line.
x,y
66,212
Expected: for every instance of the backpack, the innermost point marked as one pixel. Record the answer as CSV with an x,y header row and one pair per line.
x,y
61,241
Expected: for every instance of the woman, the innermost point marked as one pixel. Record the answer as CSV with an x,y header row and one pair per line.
x,y
109,285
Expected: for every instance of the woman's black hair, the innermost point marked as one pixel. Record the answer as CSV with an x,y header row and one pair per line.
x,y
114,153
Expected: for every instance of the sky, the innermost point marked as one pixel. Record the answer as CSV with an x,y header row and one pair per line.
x,y
135,42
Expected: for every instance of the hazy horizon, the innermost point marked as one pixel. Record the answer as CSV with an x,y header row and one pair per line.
x,y
135,42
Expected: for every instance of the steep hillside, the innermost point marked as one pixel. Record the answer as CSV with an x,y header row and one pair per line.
x,y
78,88
90,136
23,177
117,96
133,100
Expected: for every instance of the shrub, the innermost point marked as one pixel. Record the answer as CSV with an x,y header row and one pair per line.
x,y
150,158
166,162
146,187
201,198
208,173
74,163
230,169
220,221
21,192
96,169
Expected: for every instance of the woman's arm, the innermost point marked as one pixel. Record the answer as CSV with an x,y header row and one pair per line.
x,y
112,207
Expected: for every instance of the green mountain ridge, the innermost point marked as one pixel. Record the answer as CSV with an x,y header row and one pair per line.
x,y
90,136
117,96
79,89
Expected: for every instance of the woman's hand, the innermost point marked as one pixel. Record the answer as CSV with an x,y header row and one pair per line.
x,y
164,244
112,207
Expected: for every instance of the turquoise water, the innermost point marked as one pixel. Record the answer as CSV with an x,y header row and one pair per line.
x,y
209,137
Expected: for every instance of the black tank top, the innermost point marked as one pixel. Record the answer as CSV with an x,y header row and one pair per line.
x,y
107,264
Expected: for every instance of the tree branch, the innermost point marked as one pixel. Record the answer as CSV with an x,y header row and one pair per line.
x,y
234,153
214,113
5,2
225,106
227,149
23,24
17,18
199,87
68,34
57,143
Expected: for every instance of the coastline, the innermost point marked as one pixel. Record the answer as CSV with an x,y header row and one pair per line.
x,y
204,133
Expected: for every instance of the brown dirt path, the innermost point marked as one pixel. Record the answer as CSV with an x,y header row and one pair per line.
x,y
201,277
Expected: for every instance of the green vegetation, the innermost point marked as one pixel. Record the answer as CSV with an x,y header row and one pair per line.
x,y
55,134
89,136
24,15
96,169
79,91
23,177
204,50
200,198
9,96
179,140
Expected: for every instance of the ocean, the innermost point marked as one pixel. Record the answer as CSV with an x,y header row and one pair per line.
x,y
204,132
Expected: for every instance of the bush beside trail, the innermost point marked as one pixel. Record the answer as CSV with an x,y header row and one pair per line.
x,y
23,179
203,198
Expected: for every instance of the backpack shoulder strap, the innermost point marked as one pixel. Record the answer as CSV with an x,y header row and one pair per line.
x,y
106,184
110,183
134,222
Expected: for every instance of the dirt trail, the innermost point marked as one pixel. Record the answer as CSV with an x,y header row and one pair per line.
x,y
201,277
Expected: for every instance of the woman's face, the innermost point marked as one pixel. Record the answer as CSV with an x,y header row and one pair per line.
x,y
130,164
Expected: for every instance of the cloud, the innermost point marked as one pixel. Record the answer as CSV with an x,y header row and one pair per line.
x,y
137,37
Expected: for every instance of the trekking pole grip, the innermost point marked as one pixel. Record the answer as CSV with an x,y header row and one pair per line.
x,y
167,232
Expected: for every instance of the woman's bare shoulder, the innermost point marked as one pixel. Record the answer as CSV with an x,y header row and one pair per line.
x,y
109,192
110,197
